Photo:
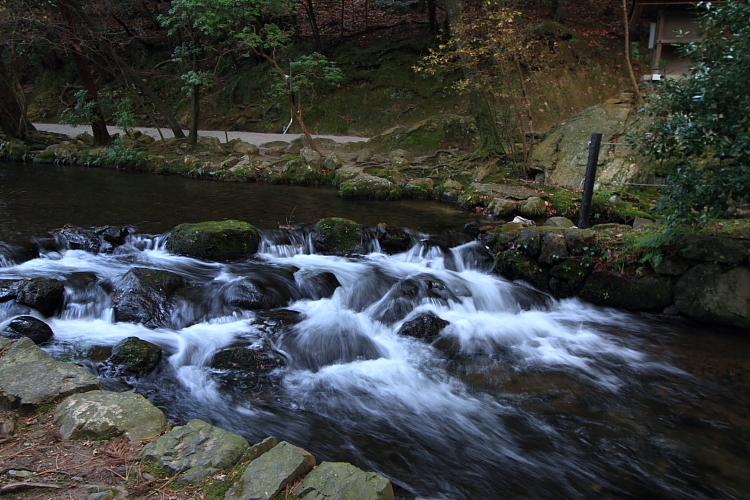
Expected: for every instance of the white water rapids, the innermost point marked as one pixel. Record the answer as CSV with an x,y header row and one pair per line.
x,y
520,396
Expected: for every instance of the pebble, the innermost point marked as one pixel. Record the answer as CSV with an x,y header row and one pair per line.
x,y
21,474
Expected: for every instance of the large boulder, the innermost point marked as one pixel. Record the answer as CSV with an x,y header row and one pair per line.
x,y
430,134
197,450
46,295
707,294
28,326
29,378
269,474
143,296
343,481
99,414
214,240
369,187
563,153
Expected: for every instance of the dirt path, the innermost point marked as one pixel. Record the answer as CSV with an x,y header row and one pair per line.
x,y
250,137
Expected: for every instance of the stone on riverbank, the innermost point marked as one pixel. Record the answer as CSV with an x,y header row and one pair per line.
x,y
98,414
269,474
29,378
219,240
197,450
343,481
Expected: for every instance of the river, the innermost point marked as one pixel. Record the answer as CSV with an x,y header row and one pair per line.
x,y
521,396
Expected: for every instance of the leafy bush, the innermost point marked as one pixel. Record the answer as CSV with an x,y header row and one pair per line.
x,y
704,119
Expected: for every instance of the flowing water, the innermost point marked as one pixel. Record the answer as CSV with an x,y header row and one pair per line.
x,y
520,396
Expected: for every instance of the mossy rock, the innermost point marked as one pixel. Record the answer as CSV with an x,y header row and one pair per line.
x,y
514,265
216,240
337,234
369,187
135,356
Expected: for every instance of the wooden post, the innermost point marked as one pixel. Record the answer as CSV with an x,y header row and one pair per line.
x,y
588,182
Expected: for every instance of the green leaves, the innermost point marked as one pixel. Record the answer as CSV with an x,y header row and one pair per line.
x,y
704,119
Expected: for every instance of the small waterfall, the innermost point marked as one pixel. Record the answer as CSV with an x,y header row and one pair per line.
x,y
513,394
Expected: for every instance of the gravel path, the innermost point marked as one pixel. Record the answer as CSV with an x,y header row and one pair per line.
x,y
250,137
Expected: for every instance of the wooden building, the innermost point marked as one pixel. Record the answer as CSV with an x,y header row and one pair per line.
x,y
671,23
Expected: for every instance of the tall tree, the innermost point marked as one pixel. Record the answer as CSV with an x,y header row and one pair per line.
x,y
209,30
81,63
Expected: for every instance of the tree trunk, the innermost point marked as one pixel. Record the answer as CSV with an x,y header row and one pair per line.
x,y
131,74
12,117
432,14
633,80
192,137
309,8
480,110
99,127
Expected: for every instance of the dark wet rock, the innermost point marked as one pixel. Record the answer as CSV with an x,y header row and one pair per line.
x,y
391,239
407,294
102,239
670,266
316,285
28,326
15,254
425,326
343,481
214,240
337,235
475,256
248,369
133,356
46,295
269,474
638,293
259,293
274,321
98,414
143,296
254,359
197,450
712,249
29,378
567,278
707,294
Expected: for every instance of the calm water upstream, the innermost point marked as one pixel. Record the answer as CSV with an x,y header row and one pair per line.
x,y
521,396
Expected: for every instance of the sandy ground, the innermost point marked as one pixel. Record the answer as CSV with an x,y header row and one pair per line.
x,y
250,137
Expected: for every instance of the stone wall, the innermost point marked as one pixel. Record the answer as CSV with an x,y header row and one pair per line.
x,y
706,278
